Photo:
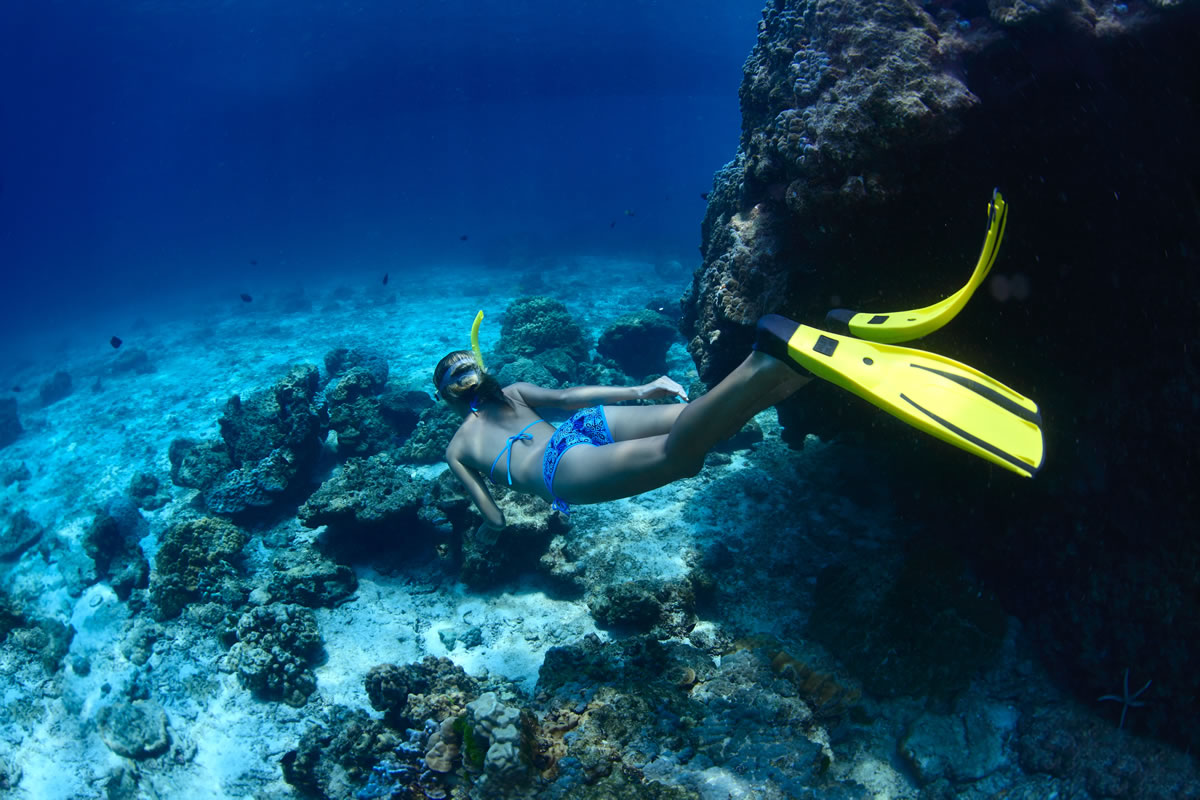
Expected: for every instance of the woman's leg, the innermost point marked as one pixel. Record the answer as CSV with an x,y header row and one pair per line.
x,y
588,474
638,422
758,382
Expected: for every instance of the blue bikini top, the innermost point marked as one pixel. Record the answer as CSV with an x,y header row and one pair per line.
x,y
520,437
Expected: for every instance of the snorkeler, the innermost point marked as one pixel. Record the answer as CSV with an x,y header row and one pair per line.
x,y
633,449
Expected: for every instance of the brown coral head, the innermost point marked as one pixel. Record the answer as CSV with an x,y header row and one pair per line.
x,y
442,757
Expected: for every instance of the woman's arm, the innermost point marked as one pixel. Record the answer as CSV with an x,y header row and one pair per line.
x,y
493,517
584,396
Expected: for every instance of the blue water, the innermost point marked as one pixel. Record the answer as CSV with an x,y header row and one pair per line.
x,y
161,152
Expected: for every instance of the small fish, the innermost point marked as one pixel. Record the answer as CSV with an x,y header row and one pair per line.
x,y
254,261
629,212
385,277
612,224
115,342
462,238
246,298
704,196
17,388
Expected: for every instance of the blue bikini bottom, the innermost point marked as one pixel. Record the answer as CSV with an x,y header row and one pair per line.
x,y
585,426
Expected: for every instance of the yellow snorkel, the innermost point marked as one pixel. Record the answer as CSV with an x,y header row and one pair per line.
x,y
475,341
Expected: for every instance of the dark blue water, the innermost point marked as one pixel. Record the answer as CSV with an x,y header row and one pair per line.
x,y
158,152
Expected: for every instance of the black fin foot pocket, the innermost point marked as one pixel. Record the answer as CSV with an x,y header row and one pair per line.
x,y
771,336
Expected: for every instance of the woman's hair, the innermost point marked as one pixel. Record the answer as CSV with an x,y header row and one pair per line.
x,y
472,385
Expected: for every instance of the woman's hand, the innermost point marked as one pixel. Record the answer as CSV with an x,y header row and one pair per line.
x,y
660,388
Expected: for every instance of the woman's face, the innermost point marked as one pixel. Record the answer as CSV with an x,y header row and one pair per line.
x,y
460,376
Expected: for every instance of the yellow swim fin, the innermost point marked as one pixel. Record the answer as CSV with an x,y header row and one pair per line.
x,y
944,398
904,326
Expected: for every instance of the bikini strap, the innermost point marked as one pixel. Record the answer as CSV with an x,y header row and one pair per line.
x,y
520,437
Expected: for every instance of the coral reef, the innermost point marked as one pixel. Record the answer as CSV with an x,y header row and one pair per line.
x,y
335,758
638,343
539,326
274,650
495,729
871,132
47,640
341,360
197,561
356,413
432,434
269,444
135,729
367,500
305,577
488,556
402,409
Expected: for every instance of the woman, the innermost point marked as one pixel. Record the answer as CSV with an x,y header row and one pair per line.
x,y
631,449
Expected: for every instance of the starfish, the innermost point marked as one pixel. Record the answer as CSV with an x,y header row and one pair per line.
x,y
1126,699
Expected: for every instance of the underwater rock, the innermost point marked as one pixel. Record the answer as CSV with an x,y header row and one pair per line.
x,y
18,533
666,608
537,325
667,712
276,646
54,388
631,605
962,748
273,439
638,343
197,562
309,579
269,444
111,541
133,360
145,492
121,783
432,434
367,502
48,639
254,485
490,557
10,424
433,688
527,370
135,729
198,465
342,360
869,132
750,435
356,413
402,408
892,625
